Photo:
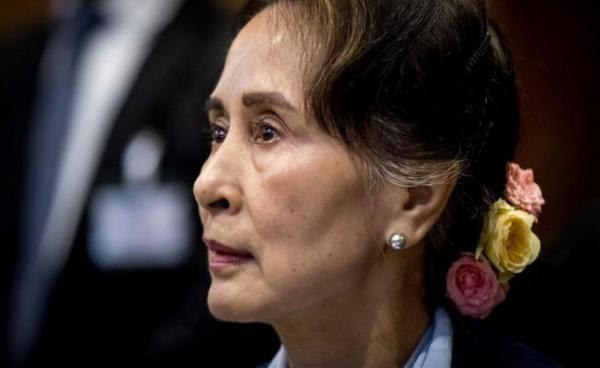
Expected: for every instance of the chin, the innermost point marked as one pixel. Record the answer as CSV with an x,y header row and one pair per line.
x,y
229,306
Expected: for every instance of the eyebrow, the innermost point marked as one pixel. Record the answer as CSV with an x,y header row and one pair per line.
x,y
267,98
252,99
214,104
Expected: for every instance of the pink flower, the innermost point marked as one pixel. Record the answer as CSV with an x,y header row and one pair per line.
x,y
522,191
473,286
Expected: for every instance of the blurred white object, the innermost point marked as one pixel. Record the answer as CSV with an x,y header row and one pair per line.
x,y
140,223
141,159
140,226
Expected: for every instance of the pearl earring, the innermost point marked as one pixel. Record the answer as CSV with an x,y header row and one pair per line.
x,y
397,241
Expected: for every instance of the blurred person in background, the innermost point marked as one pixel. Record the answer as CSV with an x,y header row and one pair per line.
x,y
100,140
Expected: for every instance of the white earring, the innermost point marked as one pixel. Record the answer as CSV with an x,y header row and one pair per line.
x,y
397,241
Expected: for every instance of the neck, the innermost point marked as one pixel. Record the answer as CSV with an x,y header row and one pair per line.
x,y
378,327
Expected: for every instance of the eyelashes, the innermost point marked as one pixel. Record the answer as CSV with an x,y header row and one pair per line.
x,y
260,130
217,133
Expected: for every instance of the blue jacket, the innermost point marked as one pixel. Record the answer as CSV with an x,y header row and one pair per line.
x,y
477,347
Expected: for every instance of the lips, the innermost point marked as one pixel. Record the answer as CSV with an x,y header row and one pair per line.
x,y
221,255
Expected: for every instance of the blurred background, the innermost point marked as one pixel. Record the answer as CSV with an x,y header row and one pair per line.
x,y
108,299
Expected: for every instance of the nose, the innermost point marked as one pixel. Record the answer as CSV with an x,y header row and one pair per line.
x,y
217,189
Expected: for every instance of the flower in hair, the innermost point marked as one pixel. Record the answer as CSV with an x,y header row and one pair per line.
x,y
522,191
507,240
476,283
473,286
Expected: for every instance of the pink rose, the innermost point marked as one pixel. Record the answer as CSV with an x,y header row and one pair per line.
x,y
473,286
522,191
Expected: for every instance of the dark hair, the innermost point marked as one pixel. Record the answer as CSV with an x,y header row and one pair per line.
x,y
424,91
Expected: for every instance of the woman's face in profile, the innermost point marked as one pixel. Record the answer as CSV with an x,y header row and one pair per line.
x,y
284,206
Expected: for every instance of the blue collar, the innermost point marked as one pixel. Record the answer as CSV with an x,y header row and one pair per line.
x,y
435,348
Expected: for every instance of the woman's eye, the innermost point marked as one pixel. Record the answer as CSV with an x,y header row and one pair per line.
x,y
263,132
218,134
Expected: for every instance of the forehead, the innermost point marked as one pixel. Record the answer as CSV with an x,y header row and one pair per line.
x,y
266,55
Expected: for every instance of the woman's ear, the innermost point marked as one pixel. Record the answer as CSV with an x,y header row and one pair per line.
x,y
416,209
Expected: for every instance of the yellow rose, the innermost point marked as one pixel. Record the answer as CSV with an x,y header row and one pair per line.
x,y
507,240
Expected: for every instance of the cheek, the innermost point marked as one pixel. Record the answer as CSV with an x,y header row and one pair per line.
x,y
314,226
302,193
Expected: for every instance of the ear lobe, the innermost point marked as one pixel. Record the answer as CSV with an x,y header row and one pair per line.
x,y
420,210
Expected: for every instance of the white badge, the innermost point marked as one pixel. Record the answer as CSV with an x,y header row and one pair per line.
x,y
140,226
141,222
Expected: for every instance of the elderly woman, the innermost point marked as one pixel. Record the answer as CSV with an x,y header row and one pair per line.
x,y
353,197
